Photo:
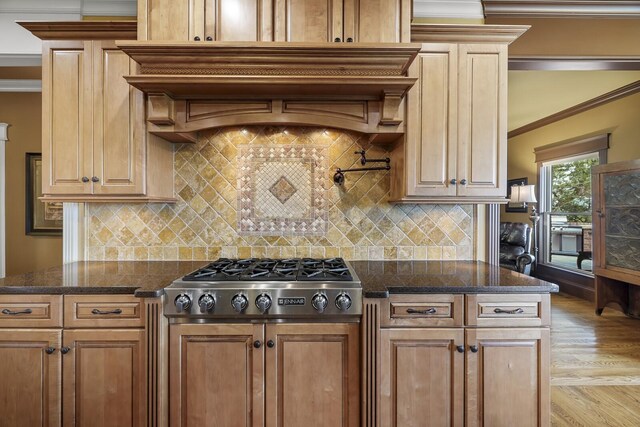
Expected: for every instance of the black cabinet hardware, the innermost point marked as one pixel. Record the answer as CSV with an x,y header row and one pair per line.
x,y
460,349
196,38
337,40
209,39
430,310
116,311
271,344
473,348
257,344
85,179
64,350
15,313
514,311
49,350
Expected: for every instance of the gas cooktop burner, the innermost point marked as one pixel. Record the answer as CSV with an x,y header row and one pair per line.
x,y
256,288
252,269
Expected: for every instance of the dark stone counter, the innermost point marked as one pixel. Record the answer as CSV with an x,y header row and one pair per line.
x,y
381,278
142,278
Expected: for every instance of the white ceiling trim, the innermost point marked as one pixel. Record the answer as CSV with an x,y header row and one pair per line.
x,y
468,9
563,8
20,60
10,85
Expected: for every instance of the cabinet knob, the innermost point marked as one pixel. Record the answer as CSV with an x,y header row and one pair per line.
x,y
85,179
350,40
95,179
65,350
49,350
271,344
196,38
460,349
257,344
337,40
473,348
463,182
209,39
453,181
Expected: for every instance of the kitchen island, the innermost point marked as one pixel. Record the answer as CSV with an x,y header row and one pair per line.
x,y
445,341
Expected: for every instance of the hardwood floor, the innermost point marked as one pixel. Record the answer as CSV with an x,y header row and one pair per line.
x,y
595,366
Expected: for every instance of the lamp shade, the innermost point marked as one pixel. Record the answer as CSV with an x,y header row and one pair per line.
x,y
523,194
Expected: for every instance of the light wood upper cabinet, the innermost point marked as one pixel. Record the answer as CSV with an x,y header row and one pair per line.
x,y
309,20
455,144
104,378
508,377
380,21
205,20
94,141
30,377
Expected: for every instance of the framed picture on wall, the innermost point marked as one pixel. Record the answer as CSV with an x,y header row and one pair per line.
x,y
515,207
42,218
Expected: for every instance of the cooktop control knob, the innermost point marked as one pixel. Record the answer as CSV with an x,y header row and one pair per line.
x,y
319,302
263,302
239,303
206,302
343,301
182,302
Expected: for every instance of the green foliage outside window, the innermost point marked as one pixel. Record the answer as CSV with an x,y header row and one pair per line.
x,y
571,189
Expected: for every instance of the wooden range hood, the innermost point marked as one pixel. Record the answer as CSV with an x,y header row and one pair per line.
x,y
196,86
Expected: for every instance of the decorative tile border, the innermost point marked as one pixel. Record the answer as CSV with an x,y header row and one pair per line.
x,y
282,190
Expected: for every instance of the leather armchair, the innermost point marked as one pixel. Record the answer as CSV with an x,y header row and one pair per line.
x,y
515,247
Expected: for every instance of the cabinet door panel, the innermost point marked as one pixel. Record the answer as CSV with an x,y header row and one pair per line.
x,y
104,378
482,131
422,379
118,125
431,131
382,21
165,19
216,374
511,365
242,20
308,20
30,392
312,375
66,115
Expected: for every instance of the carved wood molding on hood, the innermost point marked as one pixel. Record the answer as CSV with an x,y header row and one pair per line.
x,y
175,74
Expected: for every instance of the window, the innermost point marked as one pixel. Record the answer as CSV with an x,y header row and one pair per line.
x,y
564,232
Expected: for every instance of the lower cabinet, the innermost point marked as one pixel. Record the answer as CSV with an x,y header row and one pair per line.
x,y
54,376
458,376
30,377
264,375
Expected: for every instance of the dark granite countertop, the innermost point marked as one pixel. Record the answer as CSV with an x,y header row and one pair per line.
x,y
142,278
381,278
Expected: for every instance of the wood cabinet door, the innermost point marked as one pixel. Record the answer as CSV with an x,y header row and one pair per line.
x,y
482,120
119,124
507,377
104,381
308,20
216,375
66,117
378,21
30,377
422,377
312,375
238,20
431,126
164,19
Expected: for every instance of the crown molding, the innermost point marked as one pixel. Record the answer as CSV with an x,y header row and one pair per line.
x,y
562,8
425,33
598,101
463,9
10,85
541,63
82,30
20,60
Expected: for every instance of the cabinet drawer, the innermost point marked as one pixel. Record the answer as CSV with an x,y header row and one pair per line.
x,y
508,310
422,310
30,311
103,311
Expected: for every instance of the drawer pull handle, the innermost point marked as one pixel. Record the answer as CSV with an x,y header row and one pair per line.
x,y
431,310
96,311
514,311
14,313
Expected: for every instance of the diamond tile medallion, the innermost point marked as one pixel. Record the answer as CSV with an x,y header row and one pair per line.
x,y
282,190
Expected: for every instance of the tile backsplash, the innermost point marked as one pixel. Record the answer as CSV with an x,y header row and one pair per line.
x,y
268,192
